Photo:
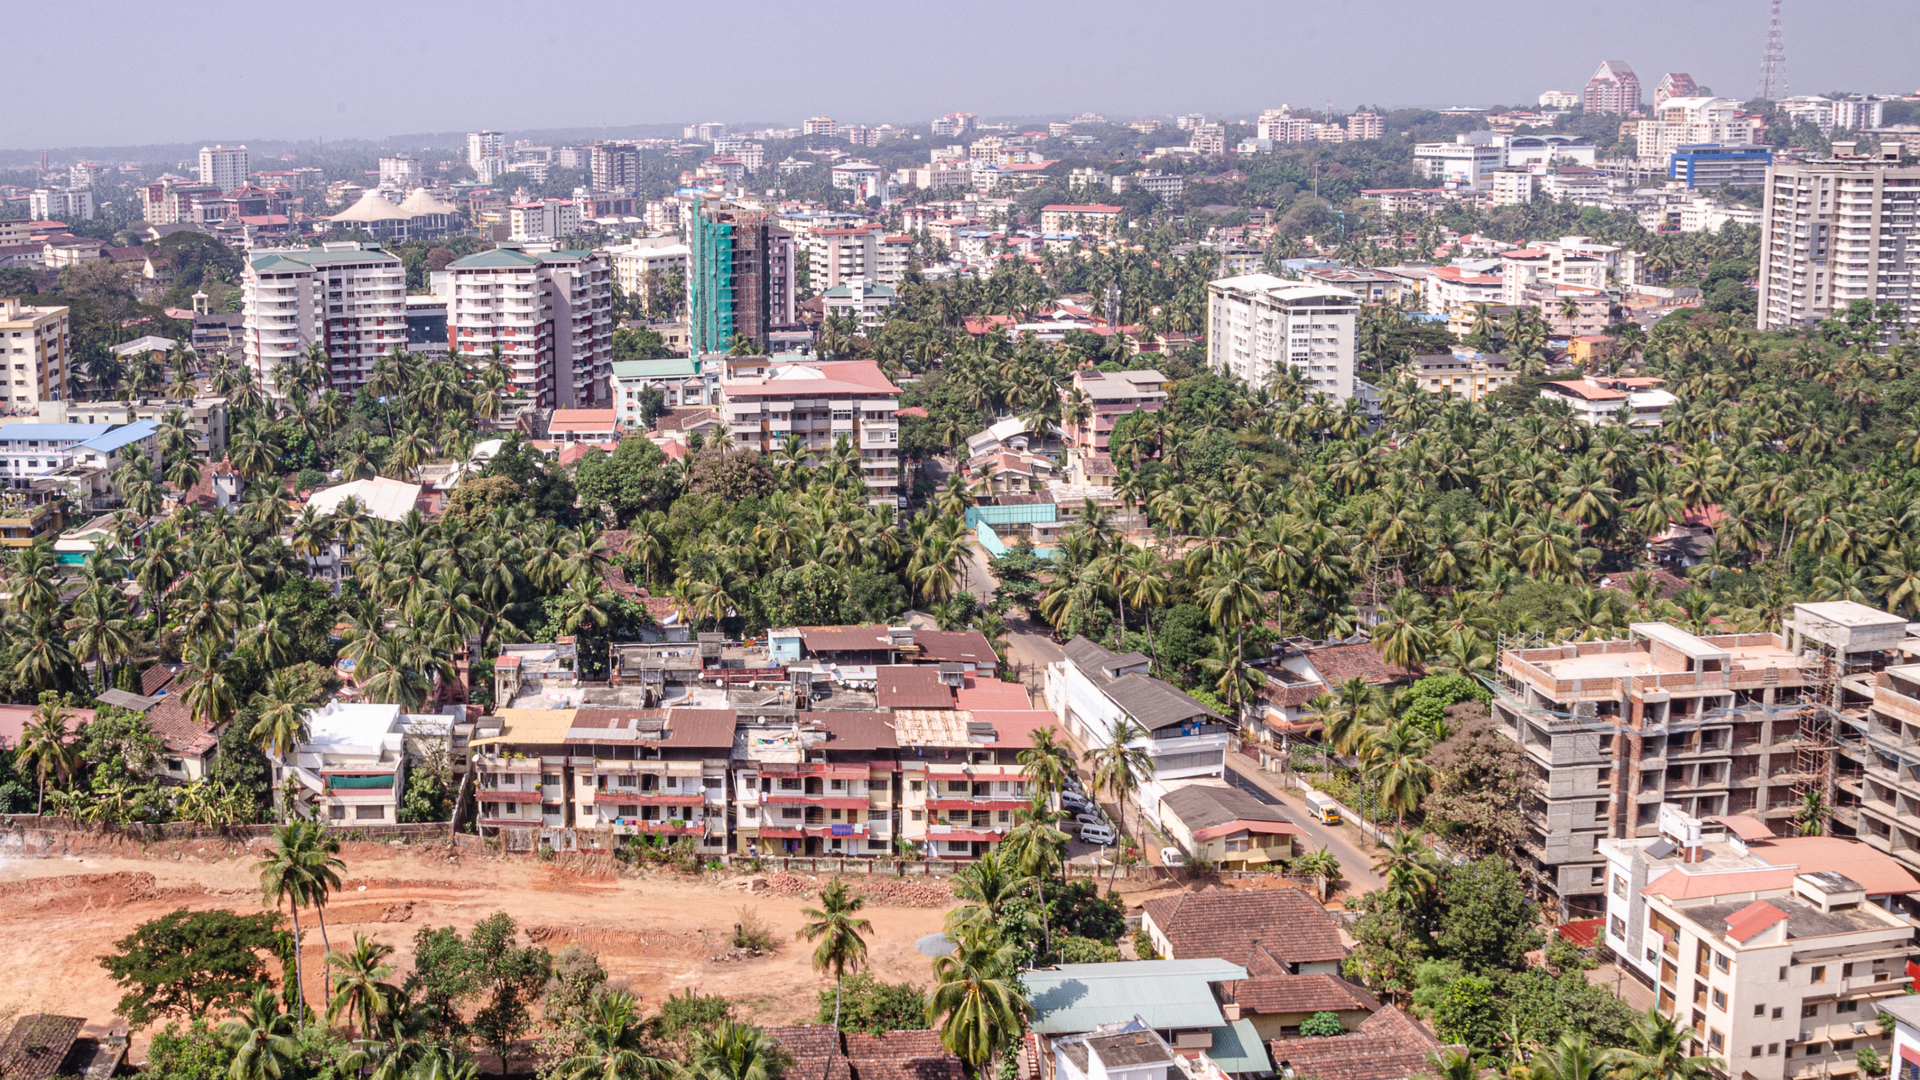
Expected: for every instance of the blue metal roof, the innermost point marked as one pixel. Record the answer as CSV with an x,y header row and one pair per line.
x,y
1237,1049
1166,994
123,435
69,433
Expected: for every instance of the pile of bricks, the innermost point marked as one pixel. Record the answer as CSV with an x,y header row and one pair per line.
x,y
906,892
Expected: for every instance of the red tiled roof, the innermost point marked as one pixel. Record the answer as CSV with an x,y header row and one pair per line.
x,y
1752,919
896,1055
992,694
1587,391
155,679
15,718
956,646
1338,663
1390,1045
844,376
582,420
1300,994
1263,930
911,688
177,730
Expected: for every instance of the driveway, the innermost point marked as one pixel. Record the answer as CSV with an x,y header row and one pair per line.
x,y
1342,840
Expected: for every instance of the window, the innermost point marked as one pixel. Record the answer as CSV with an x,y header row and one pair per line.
x,y
1721,963
1808,1012
1783,974
1759,1011
1720,999
960,786
1778,1012
1847,1006
913,785
919,815
1818,975
337,813
1716,1041
1755,1052
629,811
1843,1046
1616,927
369,813
1772,1049
1846,971
1620,886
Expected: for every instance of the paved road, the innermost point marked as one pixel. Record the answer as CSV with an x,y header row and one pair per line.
x,y
1343,840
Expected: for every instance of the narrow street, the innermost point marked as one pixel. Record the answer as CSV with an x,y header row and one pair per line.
x,y
1344,841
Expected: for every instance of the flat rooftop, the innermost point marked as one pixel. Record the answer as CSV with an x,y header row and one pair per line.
x,y
1637,656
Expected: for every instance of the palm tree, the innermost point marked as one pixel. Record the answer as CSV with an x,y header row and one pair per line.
x,y
1573,1058
989,883
1407,864
300,869
1813,813
979,1003
44,745
1119,768
1656,1050
261,1038
358,992
1037,849
730,1050
837,927
1046,762
614,1044
282,710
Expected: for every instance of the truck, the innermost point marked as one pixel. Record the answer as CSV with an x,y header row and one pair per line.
x,y
1323,807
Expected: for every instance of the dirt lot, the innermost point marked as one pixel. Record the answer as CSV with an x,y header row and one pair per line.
x,y
657,932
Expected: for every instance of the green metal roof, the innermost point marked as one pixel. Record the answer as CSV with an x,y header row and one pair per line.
x,y
301,258
663,368
1165,993
1237,1049
495,258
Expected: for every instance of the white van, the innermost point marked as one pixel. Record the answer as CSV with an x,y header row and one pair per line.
x,y
1098,833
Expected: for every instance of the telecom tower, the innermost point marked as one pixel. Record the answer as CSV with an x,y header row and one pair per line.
x,y
1773,66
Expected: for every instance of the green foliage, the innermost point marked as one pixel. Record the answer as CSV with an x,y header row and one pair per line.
x,y
1462,1007
1427,699
633,479
1486,922
875,1007
119,746
196,1053
1078,950
1077,909
187,964
486,977
1321,1025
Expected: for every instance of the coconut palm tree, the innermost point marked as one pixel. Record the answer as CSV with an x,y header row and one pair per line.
x,y
1046,762
837,926
45,747
614,1043
1656,1050
1119,767
730,1050
261,1038
979,1004
358,992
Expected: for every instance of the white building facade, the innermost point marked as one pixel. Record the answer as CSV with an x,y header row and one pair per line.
x,y
349,298
1258,322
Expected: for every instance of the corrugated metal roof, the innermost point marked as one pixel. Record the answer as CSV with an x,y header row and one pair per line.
x,y
1165,993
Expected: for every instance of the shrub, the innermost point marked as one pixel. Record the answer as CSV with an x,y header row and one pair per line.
x,y
1143,946
750,932
1321,1025
1079,950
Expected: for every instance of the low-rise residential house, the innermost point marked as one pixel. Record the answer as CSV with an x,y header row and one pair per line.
x,y
866,301
1011,433
584,425
1219,825
1602,400
1280,931
1389,1045
1306,673
379,497
818,1050
351,768
1277,1005
529,668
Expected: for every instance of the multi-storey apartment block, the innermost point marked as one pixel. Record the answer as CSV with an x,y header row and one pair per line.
x,y
551,314
1771,952
1719,724
1094,689
1836,230
1613,89
818,404
224,167
961,779
1258,323
36,347
349,298
1109,396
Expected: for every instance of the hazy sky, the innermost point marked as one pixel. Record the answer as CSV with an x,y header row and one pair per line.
x,y
119,72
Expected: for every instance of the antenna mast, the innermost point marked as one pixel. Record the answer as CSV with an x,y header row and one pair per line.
x,y
1773,66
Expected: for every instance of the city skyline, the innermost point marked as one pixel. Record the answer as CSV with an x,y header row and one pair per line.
x,y
923,62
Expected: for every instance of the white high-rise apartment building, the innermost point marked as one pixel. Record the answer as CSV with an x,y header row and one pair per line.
x,y
224,167
36,346
551,314
1258,322
349,298
400,171
1836,230
484,146
60,204
1684,121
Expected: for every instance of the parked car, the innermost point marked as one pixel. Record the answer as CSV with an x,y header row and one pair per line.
x,y
1091,817
1075,802
1097,833
1173,856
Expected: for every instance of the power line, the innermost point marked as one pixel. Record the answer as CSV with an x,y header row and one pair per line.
x,y
1773,65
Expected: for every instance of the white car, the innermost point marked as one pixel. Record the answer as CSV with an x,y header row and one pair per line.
x,y
1097,833
1172,856
1091,817
1074,802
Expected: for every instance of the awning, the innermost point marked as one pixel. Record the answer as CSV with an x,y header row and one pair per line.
x,y
384,780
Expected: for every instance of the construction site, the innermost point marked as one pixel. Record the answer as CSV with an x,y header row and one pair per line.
x,y
1816,727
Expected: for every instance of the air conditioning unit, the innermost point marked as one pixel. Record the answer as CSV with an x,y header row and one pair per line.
x,y
1805,1036
1859,1027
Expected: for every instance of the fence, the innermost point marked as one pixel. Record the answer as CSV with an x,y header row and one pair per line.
x,y
426,832
1023,514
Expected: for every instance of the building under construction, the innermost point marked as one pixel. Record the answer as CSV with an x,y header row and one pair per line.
x,y
1763,725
